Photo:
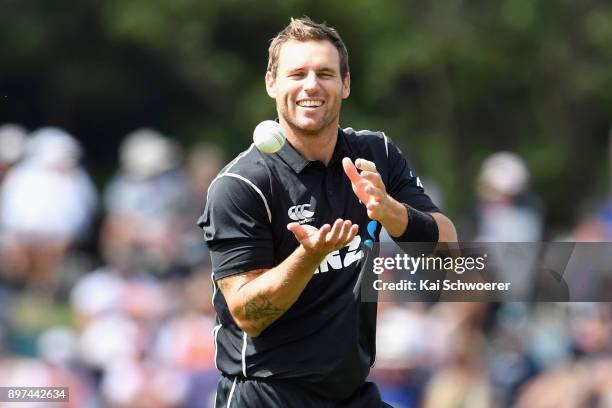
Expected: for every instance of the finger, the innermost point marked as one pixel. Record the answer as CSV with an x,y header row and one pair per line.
x,y
333,235
352,232
350,170
344,231
374,177
323,231
298,230
363,164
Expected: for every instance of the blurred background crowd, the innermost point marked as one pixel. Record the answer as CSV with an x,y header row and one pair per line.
x,y
109,291
115,116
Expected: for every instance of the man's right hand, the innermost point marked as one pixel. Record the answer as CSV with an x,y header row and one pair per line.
x,y
321,241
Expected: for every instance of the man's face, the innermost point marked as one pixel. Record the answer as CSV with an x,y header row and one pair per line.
x,y
308,87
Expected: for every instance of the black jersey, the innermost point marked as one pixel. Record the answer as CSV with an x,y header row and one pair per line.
x,y
326,341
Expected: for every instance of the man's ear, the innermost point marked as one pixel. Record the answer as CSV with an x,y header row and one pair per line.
x,y
270,82
346,86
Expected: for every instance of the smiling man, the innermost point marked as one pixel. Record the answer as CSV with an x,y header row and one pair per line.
x,y
287,233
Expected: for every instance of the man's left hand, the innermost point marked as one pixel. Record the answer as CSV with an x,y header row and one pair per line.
x,y
368,187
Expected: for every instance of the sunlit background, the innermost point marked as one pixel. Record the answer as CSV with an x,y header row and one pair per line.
x,y
116,115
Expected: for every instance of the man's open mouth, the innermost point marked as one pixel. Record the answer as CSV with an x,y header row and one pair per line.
x,y
310,103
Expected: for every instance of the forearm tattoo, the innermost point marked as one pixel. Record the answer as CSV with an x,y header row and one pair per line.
x,y
256,309
260,312
259,309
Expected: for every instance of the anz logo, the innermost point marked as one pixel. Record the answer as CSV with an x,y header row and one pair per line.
x,y
301,213
335,261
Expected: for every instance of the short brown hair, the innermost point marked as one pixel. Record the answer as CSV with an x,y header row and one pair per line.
x,y
304,29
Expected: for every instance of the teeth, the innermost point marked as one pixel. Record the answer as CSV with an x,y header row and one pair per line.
x,y
310,103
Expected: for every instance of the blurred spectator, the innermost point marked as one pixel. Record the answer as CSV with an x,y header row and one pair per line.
x,y
409,342
144,203
595,225
463,382
57,347
507,211
185,342
12,146
571,385
179,343
204,162
46,205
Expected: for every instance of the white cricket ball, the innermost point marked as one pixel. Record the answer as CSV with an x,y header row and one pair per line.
x,y
268,136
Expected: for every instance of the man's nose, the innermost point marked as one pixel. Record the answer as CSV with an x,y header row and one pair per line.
x,y
311,82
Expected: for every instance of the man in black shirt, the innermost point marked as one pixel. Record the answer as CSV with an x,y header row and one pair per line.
x,y
287,234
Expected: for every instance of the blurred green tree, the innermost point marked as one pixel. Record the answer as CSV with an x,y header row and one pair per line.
x,y
450,81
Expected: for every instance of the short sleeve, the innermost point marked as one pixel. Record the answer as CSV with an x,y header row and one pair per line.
x,y
237,228
404,185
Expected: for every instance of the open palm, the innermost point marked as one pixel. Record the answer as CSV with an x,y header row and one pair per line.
x,y
325,239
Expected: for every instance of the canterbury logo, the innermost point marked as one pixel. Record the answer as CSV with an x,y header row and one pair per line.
x,y
300,212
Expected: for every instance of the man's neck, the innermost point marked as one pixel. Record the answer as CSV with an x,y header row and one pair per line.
x,y
314,147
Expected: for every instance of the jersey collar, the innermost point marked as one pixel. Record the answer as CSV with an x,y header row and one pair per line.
x,y
298,162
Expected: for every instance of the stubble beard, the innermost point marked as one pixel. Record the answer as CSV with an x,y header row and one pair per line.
x,y
326,121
